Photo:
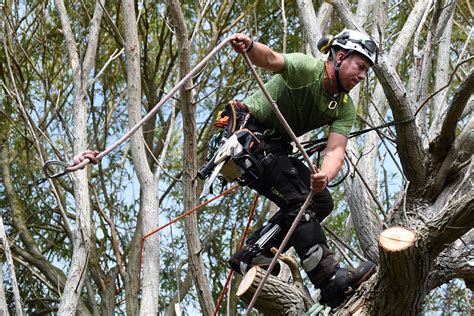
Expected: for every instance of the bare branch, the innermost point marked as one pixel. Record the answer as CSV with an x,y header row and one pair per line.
x,y
454,262
89,58
71,295
463,145
11,268
189,162
451,223
442,142
312,27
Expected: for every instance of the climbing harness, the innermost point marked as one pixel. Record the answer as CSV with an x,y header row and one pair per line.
x,y
301,212
236,150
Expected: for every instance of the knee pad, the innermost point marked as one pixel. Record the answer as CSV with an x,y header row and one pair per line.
x,y
320,265
313,257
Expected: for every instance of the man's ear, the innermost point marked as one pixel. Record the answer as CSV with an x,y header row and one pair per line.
x,y
340,56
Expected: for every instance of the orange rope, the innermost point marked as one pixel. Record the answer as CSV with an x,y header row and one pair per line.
x,y
140,255
231,272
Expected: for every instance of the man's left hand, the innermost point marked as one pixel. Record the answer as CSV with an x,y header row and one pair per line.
x,y
319,181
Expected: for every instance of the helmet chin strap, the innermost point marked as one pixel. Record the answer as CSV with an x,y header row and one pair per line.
x,y
336,68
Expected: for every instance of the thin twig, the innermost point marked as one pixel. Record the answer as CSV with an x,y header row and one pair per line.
x,y
372,194
111,58
445,86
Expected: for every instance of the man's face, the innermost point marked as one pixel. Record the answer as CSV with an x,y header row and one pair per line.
x,y
352,70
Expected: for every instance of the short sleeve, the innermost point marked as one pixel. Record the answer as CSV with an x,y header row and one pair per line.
x,y
298,69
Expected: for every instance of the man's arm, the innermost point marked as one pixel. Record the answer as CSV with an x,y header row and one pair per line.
x,y
259,54
333,160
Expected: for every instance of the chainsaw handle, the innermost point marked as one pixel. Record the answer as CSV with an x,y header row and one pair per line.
x,y
206,170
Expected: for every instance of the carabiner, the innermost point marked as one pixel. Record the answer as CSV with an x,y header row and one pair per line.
x,y
51,163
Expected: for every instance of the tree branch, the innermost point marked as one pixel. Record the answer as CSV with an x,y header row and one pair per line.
x,y
89,57
455,220
409,145
439,146
454,262
461,149
148,184
190,162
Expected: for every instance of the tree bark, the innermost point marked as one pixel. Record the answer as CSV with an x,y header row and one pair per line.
x,y
189,164
81,241
3,299
441,77
11,269
148,183
365,214
276,298
314,28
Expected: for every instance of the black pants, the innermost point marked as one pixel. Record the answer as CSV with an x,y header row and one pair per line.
x,y
286,182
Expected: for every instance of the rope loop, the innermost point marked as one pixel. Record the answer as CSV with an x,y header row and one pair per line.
x,y
79,162
53,163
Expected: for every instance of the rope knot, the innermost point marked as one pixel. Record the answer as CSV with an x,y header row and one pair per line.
x,y
86,154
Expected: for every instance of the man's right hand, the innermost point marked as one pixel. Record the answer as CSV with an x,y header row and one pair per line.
x,y
259,54
241,42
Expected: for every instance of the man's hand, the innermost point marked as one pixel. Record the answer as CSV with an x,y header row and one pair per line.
x,y
241,42
319,181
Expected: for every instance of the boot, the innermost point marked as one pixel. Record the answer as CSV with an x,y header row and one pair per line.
x,y
344,283
246,258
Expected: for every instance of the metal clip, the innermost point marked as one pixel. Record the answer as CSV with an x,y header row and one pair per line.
x,y
332,105
49,163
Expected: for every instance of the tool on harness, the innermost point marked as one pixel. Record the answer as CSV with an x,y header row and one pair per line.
x,y
253,254
234,151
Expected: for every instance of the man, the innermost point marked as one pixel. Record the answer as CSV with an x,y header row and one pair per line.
x,y
310,93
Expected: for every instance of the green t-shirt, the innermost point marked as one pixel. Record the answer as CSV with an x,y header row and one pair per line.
x,y
300,96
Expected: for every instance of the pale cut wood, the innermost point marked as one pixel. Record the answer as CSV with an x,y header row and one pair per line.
x,y
246,282
397,238
276,298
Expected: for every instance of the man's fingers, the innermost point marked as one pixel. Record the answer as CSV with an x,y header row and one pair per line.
x,y
240,43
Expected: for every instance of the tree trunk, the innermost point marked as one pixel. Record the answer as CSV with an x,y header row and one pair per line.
x,y
3,299
148,184
81,242
190,164
11,268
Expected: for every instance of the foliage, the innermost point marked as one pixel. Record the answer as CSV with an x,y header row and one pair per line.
x,y
36,75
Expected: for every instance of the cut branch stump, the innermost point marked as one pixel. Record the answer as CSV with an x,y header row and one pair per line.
x,y
276,298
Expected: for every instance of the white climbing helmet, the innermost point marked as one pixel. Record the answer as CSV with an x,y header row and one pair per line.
x,y
357,41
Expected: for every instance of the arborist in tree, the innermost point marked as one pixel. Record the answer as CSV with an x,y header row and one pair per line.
x,y
310,93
